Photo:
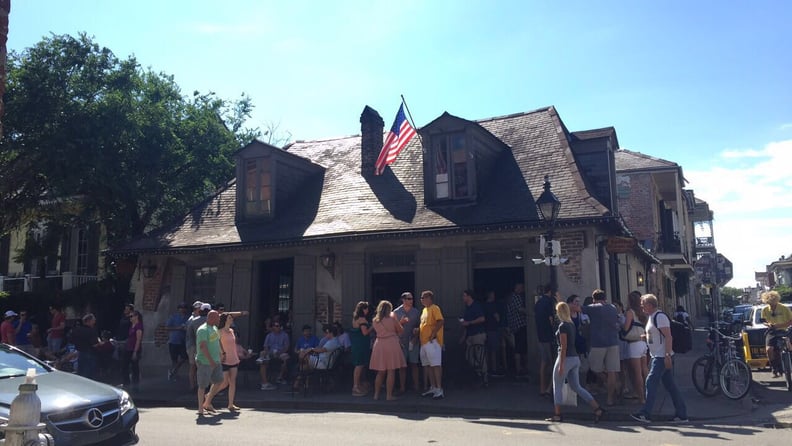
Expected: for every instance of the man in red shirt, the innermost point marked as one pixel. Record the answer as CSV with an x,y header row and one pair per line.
x,y
7,330
56,332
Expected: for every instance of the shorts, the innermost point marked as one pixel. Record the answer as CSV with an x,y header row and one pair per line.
x,y
521,341
493,340
605,359
177,351
411,356
227,367
191,351
208,374
432,354
636,349
546,352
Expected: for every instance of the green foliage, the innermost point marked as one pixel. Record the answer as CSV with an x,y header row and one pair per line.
x,y
731,296
785,291
121,140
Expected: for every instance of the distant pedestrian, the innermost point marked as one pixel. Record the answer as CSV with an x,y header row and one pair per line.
x,y
544,315
57,331
567,364
431,335
23,327
86,339
473,322
409,317
7,330
133,350
361,347
177,339
661,366
198,317
229,359
517,335
605,354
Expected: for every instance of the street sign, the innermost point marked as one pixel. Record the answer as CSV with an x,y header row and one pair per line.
x,y
724,267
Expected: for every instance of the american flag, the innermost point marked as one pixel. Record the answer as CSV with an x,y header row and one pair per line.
x,y
399,135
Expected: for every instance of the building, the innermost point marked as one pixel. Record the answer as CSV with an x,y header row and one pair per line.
x,y
307,231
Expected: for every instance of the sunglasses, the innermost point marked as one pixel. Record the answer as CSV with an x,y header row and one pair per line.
x,y
408,298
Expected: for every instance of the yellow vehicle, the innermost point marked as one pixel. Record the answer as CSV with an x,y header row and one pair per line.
x,y
753,335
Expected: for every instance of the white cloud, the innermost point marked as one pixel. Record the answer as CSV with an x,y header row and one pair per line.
x,y
787,126
752,205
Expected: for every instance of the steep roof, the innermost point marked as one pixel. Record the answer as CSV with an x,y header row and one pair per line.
x,y
344,203
627,160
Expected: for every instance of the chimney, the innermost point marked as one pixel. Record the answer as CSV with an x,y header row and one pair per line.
x,y
371,130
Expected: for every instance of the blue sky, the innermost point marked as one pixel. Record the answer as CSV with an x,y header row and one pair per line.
x,y
704,84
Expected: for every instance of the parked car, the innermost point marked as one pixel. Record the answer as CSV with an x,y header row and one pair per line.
x,y
76,410
753,333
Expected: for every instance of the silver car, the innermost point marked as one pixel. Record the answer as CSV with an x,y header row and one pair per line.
x,y
77,411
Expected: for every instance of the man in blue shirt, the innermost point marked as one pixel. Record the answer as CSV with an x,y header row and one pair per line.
x,y
276,347
473,320
307,341
177,341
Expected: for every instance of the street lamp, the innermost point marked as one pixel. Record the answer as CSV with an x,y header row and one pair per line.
x,y
549,206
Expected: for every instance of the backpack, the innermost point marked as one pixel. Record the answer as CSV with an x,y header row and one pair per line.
x,y
682,338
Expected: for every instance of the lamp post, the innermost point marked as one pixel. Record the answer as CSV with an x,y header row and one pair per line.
x,y
549,206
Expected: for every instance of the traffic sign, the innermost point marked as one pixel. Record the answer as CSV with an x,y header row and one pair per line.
x,y
724,267
705,270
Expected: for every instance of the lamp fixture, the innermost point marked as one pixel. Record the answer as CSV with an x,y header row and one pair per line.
x,y
328,262
548,204
639,278
149,269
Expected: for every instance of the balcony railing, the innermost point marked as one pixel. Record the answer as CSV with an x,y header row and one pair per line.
x,y
65,281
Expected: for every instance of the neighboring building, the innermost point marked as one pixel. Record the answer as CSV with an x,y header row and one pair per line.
x,y
74,260
657,209
779,273
307,231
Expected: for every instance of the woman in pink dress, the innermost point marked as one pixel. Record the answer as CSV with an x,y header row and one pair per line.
x,y
386,356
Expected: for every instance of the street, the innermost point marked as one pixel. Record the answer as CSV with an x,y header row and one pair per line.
x,y
170,426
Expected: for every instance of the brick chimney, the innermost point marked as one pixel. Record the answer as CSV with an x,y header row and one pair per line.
x,y
371,130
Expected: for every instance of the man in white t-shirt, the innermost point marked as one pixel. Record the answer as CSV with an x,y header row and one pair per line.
x,y
661,366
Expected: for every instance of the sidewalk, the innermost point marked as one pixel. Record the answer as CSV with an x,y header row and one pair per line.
x,y
503,398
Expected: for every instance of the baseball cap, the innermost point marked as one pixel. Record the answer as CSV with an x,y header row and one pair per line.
x,y
10,313
197,304
206,307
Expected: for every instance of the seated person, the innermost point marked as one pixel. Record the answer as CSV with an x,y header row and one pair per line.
x,y
318,358
343,337
306,342
276,347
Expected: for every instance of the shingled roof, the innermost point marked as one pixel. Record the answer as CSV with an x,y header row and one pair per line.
x,y
627,161
342,203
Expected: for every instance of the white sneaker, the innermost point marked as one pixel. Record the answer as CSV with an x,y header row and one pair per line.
x,y
281,381
268,386
438,395
429,392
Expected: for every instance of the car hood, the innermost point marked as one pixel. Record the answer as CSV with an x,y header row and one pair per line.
x,y
58,391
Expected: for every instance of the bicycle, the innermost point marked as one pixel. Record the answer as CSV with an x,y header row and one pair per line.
x,y
722,369
782,346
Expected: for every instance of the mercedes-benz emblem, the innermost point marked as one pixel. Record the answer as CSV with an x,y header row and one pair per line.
x,y
94,417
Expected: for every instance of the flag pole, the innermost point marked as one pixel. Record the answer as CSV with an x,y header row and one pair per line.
x,y
412,121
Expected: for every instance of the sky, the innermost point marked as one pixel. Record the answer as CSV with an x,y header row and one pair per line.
x,y
705,84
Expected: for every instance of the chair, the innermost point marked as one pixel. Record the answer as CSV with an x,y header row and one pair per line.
x,y
326,379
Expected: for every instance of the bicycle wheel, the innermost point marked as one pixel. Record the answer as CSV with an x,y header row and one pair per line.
x,y
735,379
705,376
786,362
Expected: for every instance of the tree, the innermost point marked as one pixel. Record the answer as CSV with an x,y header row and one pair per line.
x,y
731,296
92,138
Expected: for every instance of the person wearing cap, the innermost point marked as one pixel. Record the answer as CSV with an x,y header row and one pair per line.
x,y
177,340
7,330
197,319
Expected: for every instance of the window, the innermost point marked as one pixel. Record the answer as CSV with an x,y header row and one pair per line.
x,y
258,187
204,284
82,252
452,167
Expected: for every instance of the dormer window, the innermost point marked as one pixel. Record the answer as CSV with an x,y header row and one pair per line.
x,y
258,187
452,167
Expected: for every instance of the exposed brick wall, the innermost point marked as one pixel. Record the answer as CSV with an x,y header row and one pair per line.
x,y
327,310
637,204
572,245
160,336
151,291
371,129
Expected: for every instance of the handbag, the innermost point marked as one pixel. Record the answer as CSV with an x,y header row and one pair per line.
x,y
633,334
568,396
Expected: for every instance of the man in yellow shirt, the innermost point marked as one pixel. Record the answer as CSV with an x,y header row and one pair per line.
x,y
778,318
431,335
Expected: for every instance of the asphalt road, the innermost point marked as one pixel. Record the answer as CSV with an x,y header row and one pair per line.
x,y
173,426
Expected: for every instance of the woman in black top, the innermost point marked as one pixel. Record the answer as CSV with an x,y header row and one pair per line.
x,y
567,365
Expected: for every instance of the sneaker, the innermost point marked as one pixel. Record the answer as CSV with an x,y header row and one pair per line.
x,y
170,375
640,417
680,420
438,395
268,386
281,381
429,392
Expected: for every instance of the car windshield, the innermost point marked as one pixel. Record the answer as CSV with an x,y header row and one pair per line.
x,y
13,363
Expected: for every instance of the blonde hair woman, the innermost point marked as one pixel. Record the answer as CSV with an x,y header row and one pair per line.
x,y
777,318
567,365
386,356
